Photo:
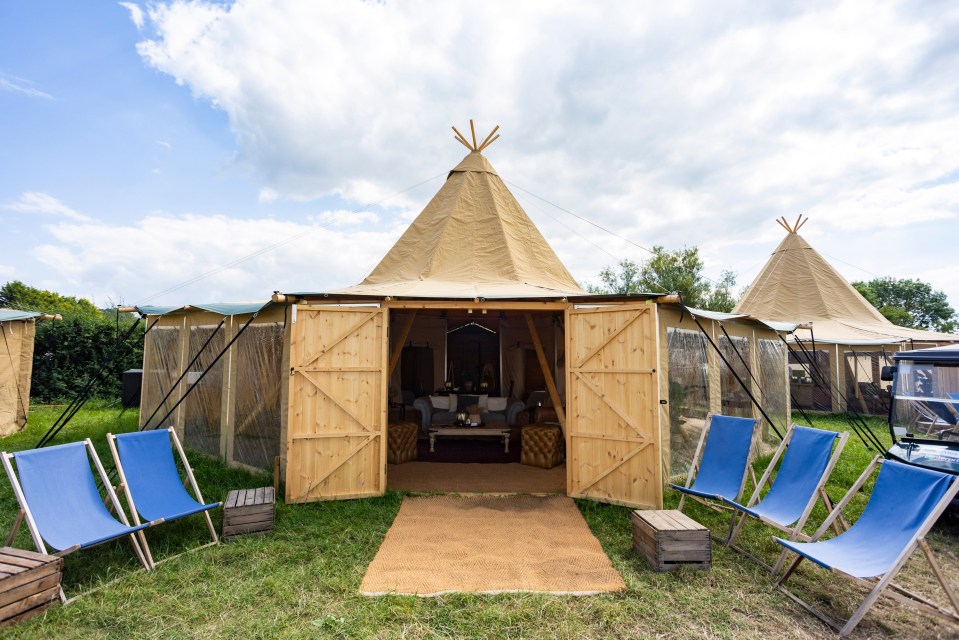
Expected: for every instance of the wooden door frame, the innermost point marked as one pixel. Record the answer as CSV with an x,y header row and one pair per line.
x,y
383,412
572,430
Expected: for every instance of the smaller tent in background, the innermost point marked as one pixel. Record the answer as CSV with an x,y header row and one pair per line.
x,y
18,329
836,360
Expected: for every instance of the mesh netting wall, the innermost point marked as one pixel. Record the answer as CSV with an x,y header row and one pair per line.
x,y
201,423
688,405
162,367
735,400
259,359
810,380
775,390
865,392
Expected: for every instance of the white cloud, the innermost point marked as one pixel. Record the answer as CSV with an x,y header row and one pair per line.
x,y
19,85
672,123
43,203
347,218
7,272
238,259
136,13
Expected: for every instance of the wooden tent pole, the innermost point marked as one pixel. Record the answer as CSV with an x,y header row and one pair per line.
x,y
486,141
398,347
547,374
459,136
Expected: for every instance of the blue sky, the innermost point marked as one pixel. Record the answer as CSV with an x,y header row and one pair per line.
x,y
144,146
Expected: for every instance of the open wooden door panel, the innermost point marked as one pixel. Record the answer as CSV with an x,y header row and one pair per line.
x,y
336,433
612,412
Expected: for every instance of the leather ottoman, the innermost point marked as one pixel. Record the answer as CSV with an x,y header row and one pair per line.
x,y
542,446
401,442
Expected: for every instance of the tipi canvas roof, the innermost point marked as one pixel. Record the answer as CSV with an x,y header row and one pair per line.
x,y
799,285
472,240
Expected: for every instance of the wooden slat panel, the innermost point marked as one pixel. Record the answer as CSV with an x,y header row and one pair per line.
x,y
336,429
613,442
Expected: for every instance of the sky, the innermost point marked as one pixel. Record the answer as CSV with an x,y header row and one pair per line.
x,y
189,152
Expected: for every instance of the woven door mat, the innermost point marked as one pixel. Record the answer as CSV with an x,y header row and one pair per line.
x,y
489,544
451,477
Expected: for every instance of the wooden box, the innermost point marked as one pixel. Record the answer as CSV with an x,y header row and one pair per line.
x,y
670,539
248,511
29,583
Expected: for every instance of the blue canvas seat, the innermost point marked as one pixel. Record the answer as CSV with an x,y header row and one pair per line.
x,y
905,503
721,460
60,502
151,481
807,460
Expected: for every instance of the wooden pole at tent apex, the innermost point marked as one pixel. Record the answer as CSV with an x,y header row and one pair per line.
x,y
794,227
474,147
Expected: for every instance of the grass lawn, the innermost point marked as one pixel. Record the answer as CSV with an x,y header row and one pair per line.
x,y
302,581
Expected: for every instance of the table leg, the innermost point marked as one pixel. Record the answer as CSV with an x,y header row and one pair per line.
x,y
506,443
432,441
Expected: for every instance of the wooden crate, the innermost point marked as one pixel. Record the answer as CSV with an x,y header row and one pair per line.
x,y
248,511
670,539
29,583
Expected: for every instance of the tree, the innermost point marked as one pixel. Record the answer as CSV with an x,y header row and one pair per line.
x,y
667,271
910,303
623,280
68,353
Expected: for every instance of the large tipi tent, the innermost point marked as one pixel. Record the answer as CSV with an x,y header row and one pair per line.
x,y
852,339
473,240
471,260
16,367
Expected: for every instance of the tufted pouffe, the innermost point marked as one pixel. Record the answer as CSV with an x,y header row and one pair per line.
x,y
401,442
542,446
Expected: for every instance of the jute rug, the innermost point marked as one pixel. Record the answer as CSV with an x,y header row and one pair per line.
x,y
475,478
490,544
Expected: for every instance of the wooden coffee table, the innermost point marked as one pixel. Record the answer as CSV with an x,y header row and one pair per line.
x,y
446,432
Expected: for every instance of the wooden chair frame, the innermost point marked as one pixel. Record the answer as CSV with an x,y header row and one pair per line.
x,y
27,515
795,532
879,586
697,458
190,480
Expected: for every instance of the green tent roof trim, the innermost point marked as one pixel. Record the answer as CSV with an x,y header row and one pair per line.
x,y
221,308
8,315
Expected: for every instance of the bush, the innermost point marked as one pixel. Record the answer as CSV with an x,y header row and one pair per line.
x,y
67,353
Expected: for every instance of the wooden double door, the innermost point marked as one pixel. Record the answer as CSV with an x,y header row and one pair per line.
x,y
337,415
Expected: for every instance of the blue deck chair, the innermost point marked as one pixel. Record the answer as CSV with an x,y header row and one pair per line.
x,y
808,459
150,480
905,503
720,465
61,504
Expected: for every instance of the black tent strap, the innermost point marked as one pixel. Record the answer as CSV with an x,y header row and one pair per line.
x,y
204,372
732,345
81,399
852,416
810,363
735,375
77,403
854,420
186,370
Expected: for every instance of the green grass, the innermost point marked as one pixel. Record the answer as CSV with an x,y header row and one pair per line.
x,y
302,581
